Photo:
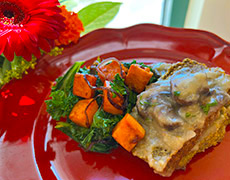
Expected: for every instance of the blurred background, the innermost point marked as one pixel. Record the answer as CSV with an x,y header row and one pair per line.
x,y
210,15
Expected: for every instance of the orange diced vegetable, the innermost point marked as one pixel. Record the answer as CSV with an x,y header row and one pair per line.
x,y
108,71
107,106
128,132
78,114
81,87
138,77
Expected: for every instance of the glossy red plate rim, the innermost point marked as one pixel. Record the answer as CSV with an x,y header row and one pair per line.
x,y
31,149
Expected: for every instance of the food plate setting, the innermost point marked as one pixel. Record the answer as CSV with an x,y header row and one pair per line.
x,y
33,147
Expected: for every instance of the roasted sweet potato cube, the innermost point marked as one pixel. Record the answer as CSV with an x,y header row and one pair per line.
x,y
107,106
128,132
81,87
138,77
78,113
108,71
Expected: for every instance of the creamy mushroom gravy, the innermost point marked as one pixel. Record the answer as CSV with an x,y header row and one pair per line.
x,y
171,109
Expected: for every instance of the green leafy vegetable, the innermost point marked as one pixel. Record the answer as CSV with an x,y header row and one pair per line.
x,y
206,107
61,104
98,138
99,59
154,78
63,99
132,99
84,70
132,96
97,15
66,82
98,82
105,122
118,85
128,64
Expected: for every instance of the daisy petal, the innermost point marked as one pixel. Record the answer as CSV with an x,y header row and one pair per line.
x,y
35,24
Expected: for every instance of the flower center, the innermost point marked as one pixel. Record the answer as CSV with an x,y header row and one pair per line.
x,y
11,13
8,14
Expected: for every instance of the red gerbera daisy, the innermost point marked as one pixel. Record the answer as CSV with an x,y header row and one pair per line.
x,y
28,25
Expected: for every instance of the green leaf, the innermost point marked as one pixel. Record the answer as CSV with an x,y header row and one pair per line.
x,y
118,85
61,104
62,95
97,138
64,83
132,99
62,125
84,70
70,4
128,64
97,15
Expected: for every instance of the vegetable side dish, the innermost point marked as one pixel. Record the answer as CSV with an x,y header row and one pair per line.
x,y
94,99
162,113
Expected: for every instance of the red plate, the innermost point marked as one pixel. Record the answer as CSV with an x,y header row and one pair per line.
x,y
30,148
